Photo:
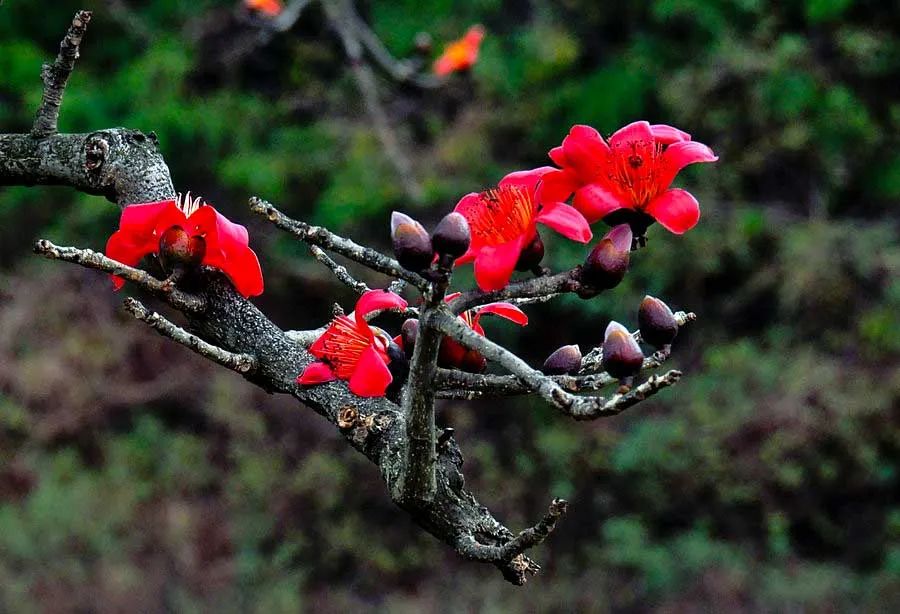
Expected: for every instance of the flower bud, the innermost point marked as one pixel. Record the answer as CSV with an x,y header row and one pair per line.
x,y
473,362
178,248
409,331
657,322
607,263
622,356
451,237
565,360
531,255
411,243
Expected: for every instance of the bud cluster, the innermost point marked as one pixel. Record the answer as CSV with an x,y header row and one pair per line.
x,y
416,250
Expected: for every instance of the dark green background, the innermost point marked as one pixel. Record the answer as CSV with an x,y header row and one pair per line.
x,y
134,474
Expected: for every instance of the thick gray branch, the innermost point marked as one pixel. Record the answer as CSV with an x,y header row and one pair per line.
x,y
56,75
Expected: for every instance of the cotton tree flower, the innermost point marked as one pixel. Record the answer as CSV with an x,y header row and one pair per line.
x,y
460,54
633,171
186,228
503,223
353,351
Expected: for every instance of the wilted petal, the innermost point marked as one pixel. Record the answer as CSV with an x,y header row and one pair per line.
x,y
677,210
372,376
565,220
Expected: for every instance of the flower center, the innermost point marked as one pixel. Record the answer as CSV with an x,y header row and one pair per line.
x,y
634,168
344,346
506,213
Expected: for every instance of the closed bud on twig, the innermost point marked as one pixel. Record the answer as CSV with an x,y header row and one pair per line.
x,y
409,331
607,263
178,248
657,322
531,255
411,243
565,360
622,356
451,237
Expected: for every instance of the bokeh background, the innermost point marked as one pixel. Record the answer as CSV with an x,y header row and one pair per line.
x,y
134,475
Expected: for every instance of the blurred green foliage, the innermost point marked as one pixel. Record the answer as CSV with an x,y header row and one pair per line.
x,y
133,474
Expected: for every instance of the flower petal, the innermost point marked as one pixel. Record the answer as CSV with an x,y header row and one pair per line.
x,y
504,310
494,265
596,202
633,132
558,155
680,154
667,135
677,210
565,220
372,376
525,179
374,300
316,373
557,186
242,268
585,151
141,218
122,247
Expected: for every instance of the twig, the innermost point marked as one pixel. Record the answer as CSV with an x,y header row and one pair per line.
x,y
242,363
340,14
579,408
321,237
339,271
529,538
55,77
537,289
94,260
592,361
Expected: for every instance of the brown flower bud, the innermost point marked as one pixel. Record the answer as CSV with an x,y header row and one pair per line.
x,y
622,356
178,248
411,243
451,237
607,263
531,255
409,331
657,322
566,359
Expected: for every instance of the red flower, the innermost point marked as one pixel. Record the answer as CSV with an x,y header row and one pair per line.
x,y
453,354
226,243
503,221
270,8
633,171
352,350
460,54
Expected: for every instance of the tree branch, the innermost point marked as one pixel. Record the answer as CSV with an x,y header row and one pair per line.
x,y
339,271
242,363
321,237
526,539
55,77
95,260
538,289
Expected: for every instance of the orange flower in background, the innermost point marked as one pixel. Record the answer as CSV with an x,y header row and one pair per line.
x,y
460,54
270,8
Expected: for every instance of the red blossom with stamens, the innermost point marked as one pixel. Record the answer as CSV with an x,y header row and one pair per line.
x,y
460,54
353,351
226,244
633,170
270,8
503,221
